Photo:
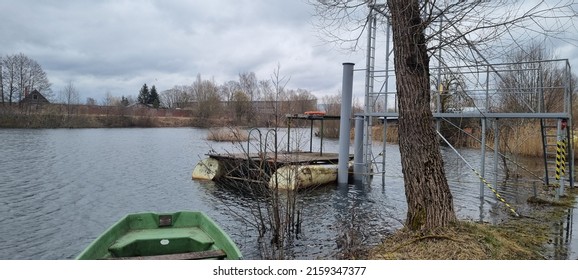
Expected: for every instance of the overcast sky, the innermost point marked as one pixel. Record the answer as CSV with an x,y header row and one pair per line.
x,y
116,46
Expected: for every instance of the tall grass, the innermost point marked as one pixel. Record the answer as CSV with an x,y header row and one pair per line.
x,y
391,135
521,138
227,134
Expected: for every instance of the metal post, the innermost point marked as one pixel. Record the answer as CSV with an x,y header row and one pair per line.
x,y
321,137
483,161
289,135
383,151
358,166
496,151
487,103
440,85
559,137
570,126
344,127
311,136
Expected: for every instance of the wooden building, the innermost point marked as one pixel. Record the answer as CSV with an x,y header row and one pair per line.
x,y
34,98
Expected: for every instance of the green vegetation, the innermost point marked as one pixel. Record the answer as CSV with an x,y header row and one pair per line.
x,y
147,97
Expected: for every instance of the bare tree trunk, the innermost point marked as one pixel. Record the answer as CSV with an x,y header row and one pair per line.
x,y
427,192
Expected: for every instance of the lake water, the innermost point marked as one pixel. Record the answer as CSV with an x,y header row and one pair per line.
x,y
61,188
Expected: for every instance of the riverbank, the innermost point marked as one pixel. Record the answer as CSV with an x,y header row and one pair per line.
x,y
99,121
529,237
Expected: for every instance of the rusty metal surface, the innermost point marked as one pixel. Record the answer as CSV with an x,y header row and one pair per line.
x,y
165,220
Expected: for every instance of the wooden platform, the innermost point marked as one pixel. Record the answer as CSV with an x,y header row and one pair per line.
x,y
283,158
212,254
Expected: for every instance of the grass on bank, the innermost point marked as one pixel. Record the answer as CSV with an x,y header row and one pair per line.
x,y
227,134
523,238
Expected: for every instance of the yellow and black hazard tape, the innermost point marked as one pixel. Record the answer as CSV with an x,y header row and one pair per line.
x,y
498,196
560,158
563,158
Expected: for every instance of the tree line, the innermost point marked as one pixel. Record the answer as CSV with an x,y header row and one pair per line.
x,y
240,99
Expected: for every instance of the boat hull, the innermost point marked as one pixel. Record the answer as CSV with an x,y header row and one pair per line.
x,y
183,235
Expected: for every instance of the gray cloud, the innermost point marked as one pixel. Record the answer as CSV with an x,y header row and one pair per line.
x,y
116,46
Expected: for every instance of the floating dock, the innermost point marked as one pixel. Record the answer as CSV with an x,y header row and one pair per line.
x,y
294,170
284,169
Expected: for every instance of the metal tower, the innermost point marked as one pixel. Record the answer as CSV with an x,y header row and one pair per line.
x,y
545,99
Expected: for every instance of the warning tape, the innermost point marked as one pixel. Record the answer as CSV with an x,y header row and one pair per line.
x,y
498,196
560,158
563,157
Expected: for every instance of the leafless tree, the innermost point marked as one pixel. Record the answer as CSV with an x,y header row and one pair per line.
x,y
69,96
9,84
241,107
278,83
332,104
532,85
462,29
176,97
227,90
19,73
249,85
206,93
90,101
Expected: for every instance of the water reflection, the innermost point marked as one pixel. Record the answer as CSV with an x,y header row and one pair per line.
x,y
562,237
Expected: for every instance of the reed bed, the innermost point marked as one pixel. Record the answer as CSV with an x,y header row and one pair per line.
x,y
522,139
227,134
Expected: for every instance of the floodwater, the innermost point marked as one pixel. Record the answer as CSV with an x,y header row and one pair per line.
x,y
61,188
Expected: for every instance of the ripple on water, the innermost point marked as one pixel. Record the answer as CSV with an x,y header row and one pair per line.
x,y
62,188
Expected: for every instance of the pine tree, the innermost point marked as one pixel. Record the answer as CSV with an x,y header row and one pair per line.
x,y
154,97
144,95
124,101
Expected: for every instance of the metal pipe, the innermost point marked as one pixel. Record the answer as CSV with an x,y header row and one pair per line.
x,y
440,86
321,137
358,166
344,127
483,161
311,136
383,151
496,148
288,135
559,177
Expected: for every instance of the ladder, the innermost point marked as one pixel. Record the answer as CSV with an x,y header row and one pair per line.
x,y
557,161
374,97
369,94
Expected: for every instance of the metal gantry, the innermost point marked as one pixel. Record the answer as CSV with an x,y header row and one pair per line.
x,y
538,90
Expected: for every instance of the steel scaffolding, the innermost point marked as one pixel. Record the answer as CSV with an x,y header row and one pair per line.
x,y
491,93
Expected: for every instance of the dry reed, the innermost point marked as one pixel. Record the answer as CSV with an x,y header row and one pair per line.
x,y
516,139
231,134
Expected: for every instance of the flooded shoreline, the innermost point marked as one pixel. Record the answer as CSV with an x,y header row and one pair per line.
x,y
64,187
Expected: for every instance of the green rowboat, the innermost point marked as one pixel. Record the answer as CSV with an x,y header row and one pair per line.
x,y
151,236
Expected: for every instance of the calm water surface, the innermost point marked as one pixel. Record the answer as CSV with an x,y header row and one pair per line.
x,y
62,188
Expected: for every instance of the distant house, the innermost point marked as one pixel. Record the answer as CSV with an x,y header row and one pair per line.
x,y
34,98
